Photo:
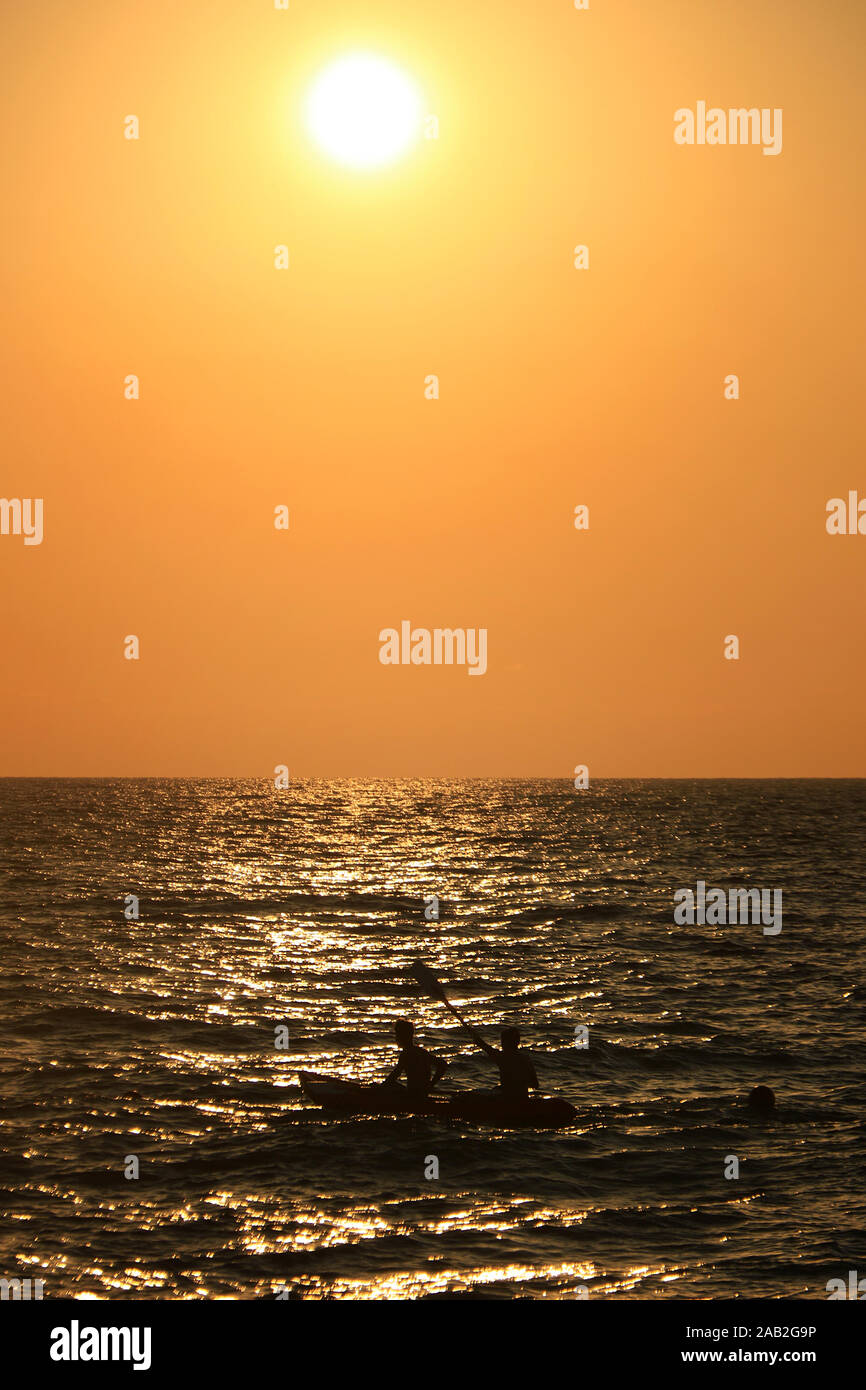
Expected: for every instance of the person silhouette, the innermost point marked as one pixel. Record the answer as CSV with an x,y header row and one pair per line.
x,y
516,1071
421,1068
761,1100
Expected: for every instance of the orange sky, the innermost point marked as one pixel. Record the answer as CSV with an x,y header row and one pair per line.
x,y
558,387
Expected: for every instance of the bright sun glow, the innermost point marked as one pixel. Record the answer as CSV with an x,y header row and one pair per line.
x,y
363,111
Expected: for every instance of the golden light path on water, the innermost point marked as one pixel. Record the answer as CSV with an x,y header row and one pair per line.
x,y
158,1037
415,1284
563,1279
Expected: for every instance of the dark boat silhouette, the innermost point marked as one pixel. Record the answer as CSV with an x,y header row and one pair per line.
x,y
479,1107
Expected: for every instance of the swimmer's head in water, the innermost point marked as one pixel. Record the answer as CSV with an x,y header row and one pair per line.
x,y
404,1031
510,1039
761,1098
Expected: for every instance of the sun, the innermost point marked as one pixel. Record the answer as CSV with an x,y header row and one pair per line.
x,y
363,111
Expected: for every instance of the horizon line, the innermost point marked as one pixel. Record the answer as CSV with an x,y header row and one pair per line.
x,y
418,777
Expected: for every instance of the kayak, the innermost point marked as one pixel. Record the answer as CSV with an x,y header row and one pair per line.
x,y
480,1107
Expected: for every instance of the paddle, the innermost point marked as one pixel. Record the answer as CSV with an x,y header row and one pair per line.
x,y
428,981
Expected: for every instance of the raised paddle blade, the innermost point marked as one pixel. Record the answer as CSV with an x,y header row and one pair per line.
x,y
427,980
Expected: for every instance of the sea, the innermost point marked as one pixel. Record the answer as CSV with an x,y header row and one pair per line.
x,y
174,952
